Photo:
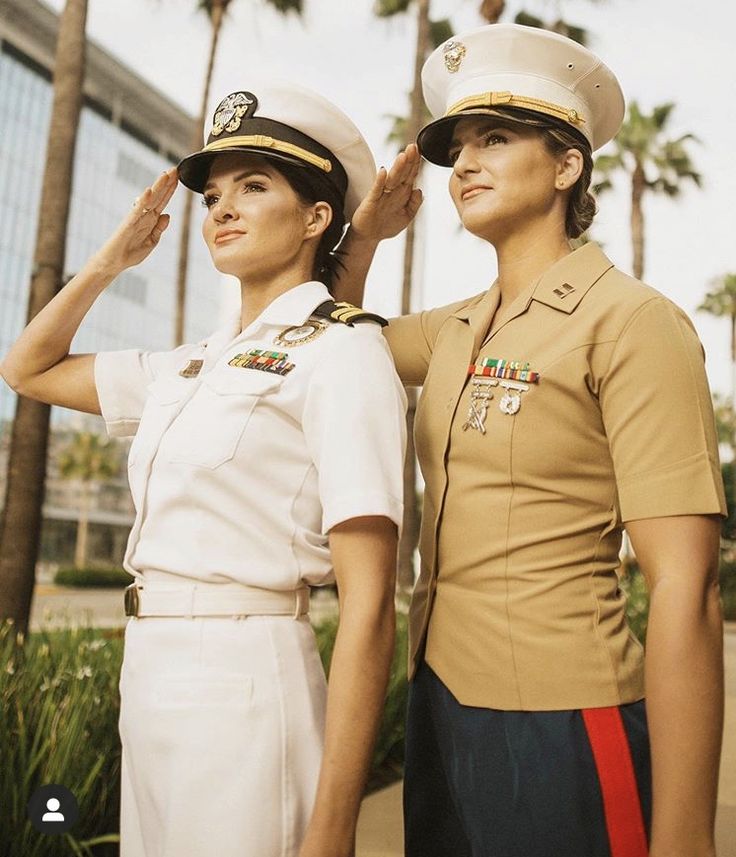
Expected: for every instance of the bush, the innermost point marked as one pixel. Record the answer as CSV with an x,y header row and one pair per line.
x,y
59,708
82,577
58,724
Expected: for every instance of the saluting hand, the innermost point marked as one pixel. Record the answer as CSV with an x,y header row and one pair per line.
x,y
392,202
142,228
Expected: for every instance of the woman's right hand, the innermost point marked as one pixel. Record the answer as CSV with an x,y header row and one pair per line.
x,y
141,229
392,202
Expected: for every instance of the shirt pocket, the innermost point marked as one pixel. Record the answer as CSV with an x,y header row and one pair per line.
x,y
209,429
163,399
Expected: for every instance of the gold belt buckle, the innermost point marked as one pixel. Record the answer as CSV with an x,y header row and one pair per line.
x,y
132,601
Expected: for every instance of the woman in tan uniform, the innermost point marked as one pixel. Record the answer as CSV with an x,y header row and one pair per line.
x,y
563,404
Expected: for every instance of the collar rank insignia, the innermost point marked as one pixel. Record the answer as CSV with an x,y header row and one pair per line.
x,y
346,313
231,110
513,375
300,334
276,362
453,55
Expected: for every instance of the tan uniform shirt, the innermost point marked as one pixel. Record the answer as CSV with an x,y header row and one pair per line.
x,y
518,598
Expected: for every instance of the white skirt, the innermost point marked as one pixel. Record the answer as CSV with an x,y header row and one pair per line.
x,y
222,725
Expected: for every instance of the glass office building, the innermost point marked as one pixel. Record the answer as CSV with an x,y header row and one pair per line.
x,y
128,134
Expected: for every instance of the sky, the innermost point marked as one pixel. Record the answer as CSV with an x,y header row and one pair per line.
x,y
661,51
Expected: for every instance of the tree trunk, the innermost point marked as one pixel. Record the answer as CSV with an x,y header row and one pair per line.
x,y
218,10
410,529
491,10
80,549
638,186
20,527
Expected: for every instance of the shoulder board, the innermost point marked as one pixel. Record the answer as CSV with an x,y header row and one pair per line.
x,y
347,313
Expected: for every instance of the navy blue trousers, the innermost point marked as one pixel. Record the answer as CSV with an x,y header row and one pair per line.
x,y
486,783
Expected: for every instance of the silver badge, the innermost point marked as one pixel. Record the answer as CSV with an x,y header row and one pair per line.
x,y
511,399
230,112
480,398
454,53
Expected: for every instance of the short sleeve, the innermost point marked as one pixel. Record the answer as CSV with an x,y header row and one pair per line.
x,y
354,424
122,379
658,416
411,339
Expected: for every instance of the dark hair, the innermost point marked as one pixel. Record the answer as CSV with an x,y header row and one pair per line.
x,y
310,188
558,136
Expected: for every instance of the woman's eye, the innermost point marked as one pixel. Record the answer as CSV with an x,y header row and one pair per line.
x,y
453,155
491,139
251,187
208,200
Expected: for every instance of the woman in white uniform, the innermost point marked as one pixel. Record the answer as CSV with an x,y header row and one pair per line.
x,y
266,458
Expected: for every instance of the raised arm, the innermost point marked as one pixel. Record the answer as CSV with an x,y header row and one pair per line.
x,y
684,678
39,364
390,206
364,557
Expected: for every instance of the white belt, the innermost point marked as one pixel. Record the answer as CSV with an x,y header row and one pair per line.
x,y
211,601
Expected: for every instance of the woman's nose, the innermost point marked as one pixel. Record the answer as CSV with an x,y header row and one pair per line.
x,y
466,161
223,210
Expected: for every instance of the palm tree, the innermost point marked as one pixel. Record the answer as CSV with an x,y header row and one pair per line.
x,y
20,526
652,163
721,302
90,460
215,10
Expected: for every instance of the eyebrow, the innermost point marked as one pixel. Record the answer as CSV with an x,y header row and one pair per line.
x,y
240,177
492,124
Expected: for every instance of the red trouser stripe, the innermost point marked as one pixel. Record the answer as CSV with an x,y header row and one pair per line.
x,y
610,745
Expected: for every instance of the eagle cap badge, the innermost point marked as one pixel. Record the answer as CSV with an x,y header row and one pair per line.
x,y
232,110
454,53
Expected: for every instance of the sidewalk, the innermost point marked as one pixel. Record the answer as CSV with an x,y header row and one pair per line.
x,y
380,828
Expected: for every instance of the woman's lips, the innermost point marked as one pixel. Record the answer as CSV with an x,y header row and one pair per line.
x,y
472,191
222,237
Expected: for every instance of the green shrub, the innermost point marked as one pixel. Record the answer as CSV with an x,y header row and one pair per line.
x,y
58,724
59,707
107,577
728,590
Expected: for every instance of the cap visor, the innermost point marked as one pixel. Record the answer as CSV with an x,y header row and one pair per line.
x,y
194,170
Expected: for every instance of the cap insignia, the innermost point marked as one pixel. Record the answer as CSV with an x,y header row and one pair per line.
x,y
454,53
231,110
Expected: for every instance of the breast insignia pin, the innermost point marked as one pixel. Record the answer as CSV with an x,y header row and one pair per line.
x,y
511,399
300,334
192,369
480,398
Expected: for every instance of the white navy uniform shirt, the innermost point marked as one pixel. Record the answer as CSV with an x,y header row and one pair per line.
x,y
238,474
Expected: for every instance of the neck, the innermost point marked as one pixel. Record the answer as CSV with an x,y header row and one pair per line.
x,y
524,256
258,290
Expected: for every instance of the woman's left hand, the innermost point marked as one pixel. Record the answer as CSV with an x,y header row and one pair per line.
x,y
392,202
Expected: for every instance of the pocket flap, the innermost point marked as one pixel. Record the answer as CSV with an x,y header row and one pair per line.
x,y
242,382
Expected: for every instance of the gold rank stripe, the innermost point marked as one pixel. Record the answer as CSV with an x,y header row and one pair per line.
x,y
508,99
261,141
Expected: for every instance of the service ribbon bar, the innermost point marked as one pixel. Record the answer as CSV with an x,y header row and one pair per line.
x,y
511,370
276,362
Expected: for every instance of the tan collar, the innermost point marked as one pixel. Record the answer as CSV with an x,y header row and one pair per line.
x,y
565,284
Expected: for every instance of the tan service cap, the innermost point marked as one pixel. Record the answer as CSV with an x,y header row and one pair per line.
x,y
502,66
287,122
